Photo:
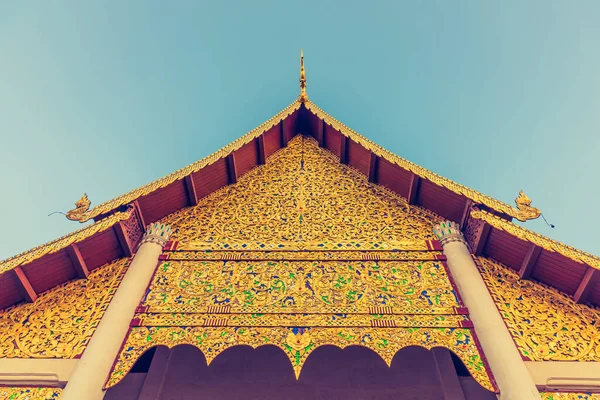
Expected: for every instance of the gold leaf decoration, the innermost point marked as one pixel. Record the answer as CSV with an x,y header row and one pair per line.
x,y
61,321
29,393
300,253
545,324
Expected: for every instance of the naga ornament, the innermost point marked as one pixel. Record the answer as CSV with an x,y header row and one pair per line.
x,y
82,206
526,211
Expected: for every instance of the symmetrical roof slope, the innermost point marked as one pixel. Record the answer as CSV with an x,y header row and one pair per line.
x,y
120,221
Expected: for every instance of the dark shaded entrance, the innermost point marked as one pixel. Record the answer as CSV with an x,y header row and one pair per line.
x,y
266,373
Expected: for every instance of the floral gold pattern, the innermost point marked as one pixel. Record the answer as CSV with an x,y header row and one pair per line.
x,y
302,286
29,393
570,396
61,321
302,195
302,252
545,324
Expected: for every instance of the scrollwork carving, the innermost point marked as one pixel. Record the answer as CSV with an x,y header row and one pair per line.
x,y
30,393
545,324
61,321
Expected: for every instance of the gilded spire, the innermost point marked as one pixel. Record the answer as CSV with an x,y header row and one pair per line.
x,y
303,96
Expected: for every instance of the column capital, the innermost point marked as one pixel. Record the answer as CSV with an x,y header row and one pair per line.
x,y
448,231
156,233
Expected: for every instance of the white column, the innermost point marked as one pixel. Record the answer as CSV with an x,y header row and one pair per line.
x,y
510,372
93,368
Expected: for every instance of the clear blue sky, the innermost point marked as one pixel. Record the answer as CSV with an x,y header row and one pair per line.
x,y
103,97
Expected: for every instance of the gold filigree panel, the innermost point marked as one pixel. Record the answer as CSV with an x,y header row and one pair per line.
x,y
305,255
302,194
29,393
299,343
306,320
61,321
545,324
570,396
301,286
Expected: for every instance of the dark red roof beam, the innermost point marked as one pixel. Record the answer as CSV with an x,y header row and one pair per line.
x,y
136,204
25,286
413,190
124,241
373,166
320,133
466,213
261,150
529,261
78,261
481,239
343,149
191,190
591,277
231,171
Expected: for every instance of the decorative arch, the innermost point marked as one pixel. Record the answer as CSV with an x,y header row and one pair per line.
x,y
299,343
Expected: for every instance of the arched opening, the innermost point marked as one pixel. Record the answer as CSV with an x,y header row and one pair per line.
x,y
266,373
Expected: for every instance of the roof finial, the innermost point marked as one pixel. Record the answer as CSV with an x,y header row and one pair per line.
x,y
303,96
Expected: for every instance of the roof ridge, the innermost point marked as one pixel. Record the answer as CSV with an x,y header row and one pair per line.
x,y
439,180
537,238
181,173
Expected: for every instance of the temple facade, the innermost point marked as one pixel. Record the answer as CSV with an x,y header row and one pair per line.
x,y
302,261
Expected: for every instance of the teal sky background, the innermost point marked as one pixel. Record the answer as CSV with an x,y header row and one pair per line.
x,y
103,97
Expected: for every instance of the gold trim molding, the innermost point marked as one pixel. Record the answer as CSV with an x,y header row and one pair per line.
x,y
569,396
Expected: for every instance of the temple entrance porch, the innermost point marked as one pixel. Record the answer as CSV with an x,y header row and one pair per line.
x,y
266,373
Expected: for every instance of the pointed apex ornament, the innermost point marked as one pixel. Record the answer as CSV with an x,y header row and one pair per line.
x,y
303,96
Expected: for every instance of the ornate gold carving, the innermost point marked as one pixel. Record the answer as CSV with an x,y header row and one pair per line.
x,y
294,255
299,342
524,205
302,287
81,207
537,239
29,393
302,195
301,255
63,242
308,320
295,246
183,172
416,169
303,96
570,396
545,324
62,320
